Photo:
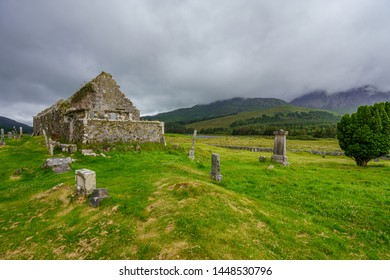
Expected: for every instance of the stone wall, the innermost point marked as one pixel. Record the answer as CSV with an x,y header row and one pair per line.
x,y
51,120
264,149
98,131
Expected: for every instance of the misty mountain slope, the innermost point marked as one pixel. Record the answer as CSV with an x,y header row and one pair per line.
x,y
8,124
344,101
217,109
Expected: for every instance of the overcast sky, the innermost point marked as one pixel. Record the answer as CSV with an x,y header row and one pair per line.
x,y
167,54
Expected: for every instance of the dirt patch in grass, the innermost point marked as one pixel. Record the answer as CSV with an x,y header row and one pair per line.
x,y
173,251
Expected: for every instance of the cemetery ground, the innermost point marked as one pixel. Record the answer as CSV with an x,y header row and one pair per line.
x,y
164,205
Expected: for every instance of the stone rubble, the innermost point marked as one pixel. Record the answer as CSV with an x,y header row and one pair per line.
x,y
59,165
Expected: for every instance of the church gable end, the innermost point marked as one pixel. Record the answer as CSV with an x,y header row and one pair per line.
x,y
98,112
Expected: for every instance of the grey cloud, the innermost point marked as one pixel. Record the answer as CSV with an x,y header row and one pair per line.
x,y
170,54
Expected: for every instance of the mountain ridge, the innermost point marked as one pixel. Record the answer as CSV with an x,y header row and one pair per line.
x,y
346,101
216,109
7,124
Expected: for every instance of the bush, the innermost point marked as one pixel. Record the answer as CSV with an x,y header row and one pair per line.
x,y
364,135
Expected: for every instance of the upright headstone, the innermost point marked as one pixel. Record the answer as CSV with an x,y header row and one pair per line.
x,y
20,132
215,168
191,153
9,135
51,149
279,155
45,136
2,136
85,181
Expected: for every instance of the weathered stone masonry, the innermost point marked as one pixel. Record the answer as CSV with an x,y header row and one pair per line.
x,y
98,112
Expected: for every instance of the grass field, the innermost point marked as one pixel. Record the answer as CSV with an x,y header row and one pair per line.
x,y
164,205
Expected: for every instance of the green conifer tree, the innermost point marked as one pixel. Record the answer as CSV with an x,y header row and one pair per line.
x,y
365,135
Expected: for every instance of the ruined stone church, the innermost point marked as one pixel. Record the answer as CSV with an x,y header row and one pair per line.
x,y
98,112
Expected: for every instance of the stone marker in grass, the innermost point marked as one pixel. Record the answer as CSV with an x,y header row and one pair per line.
x,y
215,168
85,181
279,155
191,153
2,137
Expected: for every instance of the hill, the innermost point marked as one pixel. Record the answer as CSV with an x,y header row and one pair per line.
x,y
299,121
8,124
217,109
344,101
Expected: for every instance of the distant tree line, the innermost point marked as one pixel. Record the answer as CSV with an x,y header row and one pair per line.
x,y
312,117
317,124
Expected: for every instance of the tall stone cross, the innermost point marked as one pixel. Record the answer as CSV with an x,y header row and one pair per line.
x,y
279,155
191,153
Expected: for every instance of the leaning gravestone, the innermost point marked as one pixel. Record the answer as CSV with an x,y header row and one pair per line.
x,y
85,181
279,155
51,148
97,196
59,165
45,136
215,168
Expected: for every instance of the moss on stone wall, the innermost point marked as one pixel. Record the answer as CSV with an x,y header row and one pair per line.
x,y
82,92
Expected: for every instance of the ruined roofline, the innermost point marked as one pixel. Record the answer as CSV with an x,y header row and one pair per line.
x,y
91,87
55,106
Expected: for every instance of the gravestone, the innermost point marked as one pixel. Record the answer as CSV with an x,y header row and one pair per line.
x,y
191,153
9,135
97,196
2,137
20,132
51,148
85,181
215,168
279,155
45,136
59,165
